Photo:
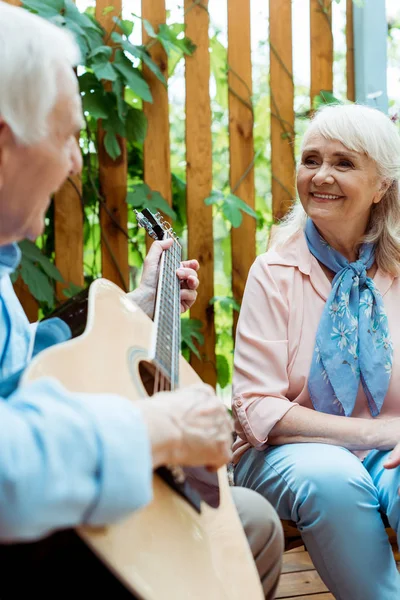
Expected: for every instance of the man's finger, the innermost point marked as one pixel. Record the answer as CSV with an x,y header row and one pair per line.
x,y
191,264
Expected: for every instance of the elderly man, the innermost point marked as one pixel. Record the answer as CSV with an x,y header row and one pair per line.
x,y
60,451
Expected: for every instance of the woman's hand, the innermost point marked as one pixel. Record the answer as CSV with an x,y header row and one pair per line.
x,y
144,296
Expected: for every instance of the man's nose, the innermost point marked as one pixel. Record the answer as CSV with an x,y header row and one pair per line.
x,y
76,158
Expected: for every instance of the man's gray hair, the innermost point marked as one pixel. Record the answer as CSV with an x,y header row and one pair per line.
x,y
32,53
368,131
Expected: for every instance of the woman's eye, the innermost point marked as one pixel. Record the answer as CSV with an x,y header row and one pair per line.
x,y
310,162
346,163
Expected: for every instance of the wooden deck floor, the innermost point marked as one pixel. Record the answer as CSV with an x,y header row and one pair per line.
x,y
299,579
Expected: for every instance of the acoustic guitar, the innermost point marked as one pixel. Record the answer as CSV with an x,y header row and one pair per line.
x,y
188,543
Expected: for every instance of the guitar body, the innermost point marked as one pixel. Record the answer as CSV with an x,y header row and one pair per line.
x,y
167,550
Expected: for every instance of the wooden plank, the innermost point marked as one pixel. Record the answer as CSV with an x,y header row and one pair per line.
x,y
199,180
321,47
68,234
28,302
326,596
302,583
156,151
241,149
282,111
297,561
113,185
350,76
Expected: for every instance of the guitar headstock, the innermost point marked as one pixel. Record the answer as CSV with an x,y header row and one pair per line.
x,y
155,225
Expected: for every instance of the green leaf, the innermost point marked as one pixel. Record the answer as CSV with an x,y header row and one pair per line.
x,y
133,77
45,8
323,98
143,197
37,282
240,204
191,331
223,371
125,26
95,104
104,51
31,252
107,10
104,70
214,198
149,28
141,53
233,214
227,303
172,39
111,145
136,125
72,290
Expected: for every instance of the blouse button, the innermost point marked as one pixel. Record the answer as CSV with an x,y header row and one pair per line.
x,y
239,403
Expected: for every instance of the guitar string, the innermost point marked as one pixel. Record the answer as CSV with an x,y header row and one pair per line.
x,y
170,291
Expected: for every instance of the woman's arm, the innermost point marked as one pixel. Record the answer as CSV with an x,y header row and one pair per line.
x,y
302,425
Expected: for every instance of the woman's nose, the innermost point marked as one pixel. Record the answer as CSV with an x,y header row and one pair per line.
x,y
323,175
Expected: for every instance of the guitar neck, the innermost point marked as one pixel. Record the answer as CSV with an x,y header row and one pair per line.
x,y
167,338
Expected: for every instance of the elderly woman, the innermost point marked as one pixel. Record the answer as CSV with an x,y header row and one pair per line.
x,y
317,362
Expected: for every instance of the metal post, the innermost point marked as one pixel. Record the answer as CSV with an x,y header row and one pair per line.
x,y
370,55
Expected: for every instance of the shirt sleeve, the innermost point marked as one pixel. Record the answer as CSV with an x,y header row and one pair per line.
x,y
69,459
260,381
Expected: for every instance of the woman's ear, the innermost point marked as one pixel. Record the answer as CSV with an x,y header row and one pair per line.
x,y
383,188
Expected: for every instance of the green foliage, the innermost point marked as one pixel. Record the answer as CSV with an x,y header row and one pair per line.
x,y
38,272
191,333
323,98
231,207
119,107
143,197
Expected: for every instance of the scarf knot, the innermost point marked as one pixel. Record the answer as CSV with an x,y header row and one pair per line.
x,y
360,273
353,343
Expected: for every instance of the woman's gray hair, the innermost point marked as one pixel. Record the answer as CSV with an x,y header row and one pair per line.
x,y
365,130
32,54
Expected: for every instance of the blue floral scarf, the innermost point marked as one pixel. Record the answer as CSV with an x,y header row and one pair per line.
x,y
353,342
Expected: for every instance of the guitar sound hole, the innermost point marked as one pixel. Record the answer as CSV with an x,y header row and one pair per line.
x,y
149,378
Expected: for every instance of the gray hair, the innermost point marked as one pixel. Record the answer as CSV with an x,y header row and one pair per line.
x,y
365,130
32,51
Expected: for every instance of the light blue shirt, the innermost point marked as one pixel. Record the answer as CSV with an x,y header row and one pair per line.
x,y
66,459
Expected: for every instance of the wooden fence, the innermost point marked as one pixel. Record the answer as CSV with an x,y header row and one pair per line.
x,y
157,173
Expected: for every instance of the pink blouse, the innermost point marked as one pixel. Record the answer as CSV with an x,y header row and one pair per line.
x,y
284,298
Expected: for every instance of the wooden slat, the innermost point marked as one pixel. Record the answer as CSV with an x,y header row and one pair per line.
x,y
321,47
350,75
241,150
282,111
156,151
302,583
326,596
113,186
199,180
28,302
297,561
68,234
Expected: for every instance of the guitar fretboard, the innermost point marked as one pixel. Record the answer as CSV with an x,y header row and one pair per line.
x,y
167,317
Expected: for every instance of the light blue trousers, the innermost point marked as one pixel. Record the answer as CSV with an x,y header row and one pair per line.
x,y
335,500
